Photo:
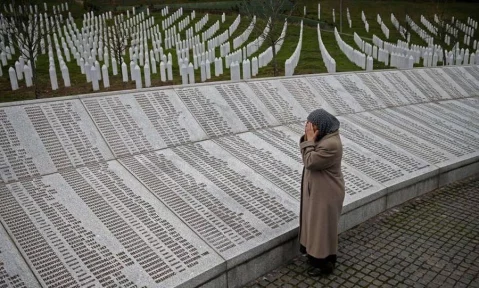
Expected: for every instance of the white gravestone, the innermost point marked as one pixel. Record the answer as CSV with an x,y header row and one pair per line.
x,y
169,70
53,78
94,79
88,72
82,66
98,70
162,72
137,73
106,78
153,65
132,70
18,70
124,72
191,73
208,69
184,74
13,78
203,71
114,66
146,70
66,75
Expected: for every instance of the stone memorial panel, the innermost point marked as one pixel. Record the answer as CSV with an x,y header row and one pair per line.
x,y
452,89
401,138
473,71
14,272
368,163
97,226
222,200
453,114
297,128
377,158
463,79
172,121
277,100
472,102
443,124
442,137
47,137
335,95
462,107
143,122
405,88
383,90
283,139
426,85
116,122
302,91
266,159
354,86
226,108
357,185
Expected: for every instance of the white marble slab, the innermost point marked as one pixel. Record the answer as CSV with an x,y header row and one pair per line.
x,y
47,137
356,88
443,80
278,100
473,74
464,79
360,189
453,114
14,272
382,89
223,109
448,141
429,88
463,107
141,122
232,208
302,91
439,130
409,142
97,224
379,160
335,95
405,87
280,165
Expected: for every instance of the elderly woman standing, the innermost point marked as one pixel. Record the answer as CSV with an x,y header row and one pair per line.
x,y
322,191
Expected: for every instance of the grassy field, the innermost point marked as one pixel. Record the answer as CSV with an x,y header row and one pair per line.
x,y
310,60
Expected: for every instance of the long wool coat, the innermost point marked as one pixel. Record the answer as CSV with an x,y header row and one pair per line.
x,y
322,195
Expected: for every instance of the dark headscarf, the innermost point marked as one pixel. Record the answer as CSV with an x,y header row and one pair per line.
x,y
326,122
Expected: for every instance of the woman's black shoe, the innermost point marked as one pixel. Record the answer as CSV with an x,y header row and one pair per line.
x,y
314,272
326,270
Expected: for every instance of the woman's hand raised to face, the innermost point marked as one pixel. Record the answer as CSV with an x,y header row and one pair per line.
x,y
309,132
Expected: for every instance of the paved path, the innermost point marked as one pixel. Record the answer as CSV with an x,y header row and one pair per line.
x,y
430,241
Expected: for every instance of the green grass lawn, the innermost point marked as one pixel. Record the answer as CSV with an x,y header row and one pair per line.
x,y
310,59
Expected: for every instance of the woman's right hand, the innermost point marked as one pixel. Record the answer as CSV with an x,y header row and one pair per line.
x,y
309,132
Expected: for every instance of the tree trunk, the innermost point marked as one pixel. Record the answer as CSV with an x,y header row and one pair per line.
x,y
275,66
31,57
34,78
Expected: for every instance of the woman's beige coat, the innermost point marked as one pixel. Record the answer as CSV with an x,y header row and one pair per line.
x,y
322,195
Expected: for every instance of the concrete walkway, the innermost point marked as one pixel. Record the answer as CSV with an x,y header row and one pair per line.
x,y
430,241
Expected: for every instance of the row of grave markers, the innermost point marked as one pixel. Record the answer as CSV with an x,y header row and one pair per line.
x,y
144,29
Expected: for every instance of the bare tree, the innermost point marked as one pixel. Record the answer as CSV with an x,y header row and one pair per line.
x,y
274,10
117,41
443,29
26,30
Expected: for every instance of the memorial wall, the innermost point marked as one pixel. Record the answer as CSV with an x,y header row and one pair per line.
x,y
180,186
